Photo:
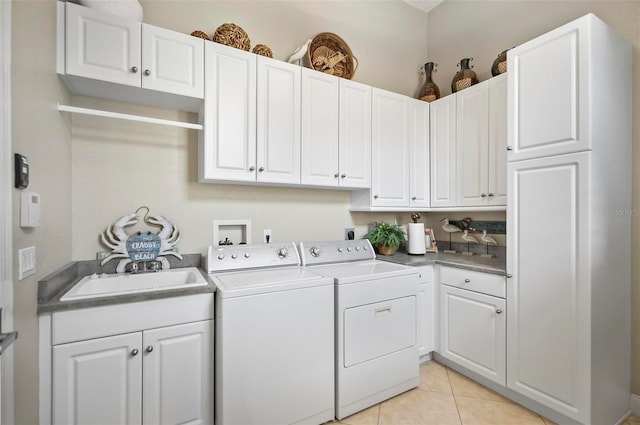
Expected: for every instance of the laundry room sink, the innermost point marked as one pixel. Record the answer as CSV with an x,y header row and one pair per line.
x,y
106,285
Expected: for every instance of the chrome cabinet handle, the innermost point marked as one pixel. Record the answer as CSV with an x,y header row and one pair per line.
x,y
134,352
134,69
252,168
498,311
147,72
149,348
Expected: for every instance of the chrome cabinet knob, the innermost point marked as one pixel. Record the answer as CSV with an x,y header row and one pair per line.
x,y
467,280
498,311
491,194
509,275
149,348
414,198
147,72
343,175
134,69
252,168
134,352
261,169
336,175
375,196
483,195
509,148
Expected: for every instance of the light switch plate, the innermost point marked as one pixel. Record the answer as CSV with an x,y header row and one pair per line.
x,y
26,262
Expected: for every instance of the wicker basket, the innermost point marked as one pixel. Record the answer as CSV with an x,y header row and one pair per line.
x,y
330,54
263,50
232,35
200,34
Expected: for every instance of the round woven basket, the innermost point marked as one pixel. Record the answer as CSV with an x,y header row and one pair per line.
x,y
263,50
232,35
330,54
200,34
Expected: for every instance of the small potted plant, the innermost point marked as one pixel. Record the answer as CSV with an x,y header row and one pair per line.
x,y
386,237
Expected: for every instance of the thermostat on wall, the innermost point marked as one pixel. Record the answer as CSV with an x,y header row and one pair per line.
x,y
29,209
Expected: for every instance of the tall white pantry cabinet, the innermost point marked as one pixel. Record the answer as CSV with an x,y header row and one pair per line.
x,y
568,223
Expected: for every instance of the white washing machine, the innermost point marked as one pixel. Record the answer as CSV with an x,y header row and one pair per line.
x,y
274,337
376,322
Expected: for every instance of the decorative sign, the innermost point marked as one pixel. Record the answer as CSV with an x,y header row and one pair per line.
x,y
141,246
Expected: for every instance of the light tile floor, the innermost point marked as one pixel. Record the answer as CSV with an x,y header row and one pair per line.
x,y
446,397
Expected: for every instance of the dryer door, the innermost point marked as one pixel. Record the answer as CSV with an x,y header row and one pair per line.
x,y
378,329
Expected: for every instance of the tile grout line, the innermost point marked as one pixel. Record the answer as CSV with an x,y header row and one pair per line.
x,y
455,401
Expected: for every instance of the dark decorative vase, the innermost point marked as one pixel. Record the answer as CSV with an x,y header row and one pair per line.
x,y
500,64
464,78
429,91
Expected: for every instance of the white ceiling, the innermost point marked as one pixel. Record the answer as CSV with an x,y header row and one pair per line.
x,y
424,5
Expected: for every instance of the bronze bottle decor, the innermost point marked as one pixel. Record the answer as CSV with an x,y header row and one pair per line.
x,y
500,64
464,78
429,91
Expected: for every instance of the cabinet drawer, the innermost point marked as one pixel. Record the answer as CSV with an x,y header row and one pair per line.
x,y
484,283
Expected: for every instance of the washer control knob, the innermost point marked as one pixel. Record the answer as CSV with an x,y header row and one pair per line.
x,y
340,249
282,252
349,248
315,251
220,256
247,255
365,247
234,255
357,248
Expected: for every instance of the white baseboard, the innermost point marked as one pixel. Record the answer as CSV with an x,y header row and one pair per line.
x,y
635,404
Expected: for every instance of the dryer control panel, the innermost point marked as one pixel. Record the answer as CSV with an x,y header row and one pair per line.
x,y
313,253
242,257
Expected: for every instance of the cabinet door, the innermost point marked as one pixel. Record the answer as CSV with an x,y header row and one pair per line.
x,y
419,154
355,134
320,97
549,293
472,331
426,311
172,62
498,140
227,145
278,125
102,46
178,374
548,93
98,381
390,149
472,145
443,151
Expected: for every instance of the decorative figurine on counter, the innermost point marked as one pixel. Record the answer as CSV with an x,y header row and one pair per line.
x,y
488,240
299,53
141,246
449,228
469,239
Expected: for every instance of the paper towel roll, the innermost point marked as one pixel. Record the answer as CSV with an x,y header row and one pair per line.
x,y
416,238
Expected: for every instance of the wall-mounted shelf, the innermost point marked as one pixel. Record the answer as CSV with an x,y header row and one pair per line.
x,y
128,117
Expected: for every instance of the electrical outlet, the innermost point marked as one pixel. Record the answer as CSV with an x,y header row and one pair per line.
x,y
26,262
266,238
349,233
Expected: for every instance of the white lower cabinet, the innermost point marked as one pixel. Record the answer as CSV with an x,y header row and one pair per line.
x,y
426,312
144,368
473,323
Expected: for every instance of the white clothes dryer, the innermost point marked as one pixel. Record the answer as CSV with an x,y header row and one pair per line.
x,y
376,322
274,361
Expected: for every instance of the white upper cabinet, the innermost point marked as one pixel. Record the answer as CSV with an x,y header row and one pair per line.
x,y
472,145
172,62
549,106
227,145
390,146
419,154
278,121
355,134
320,144
497,194
443,151
104,48
251,118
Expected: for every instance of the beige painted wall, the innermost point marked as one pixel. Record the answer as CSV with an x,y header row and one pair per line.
x,y
482,29
44,136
